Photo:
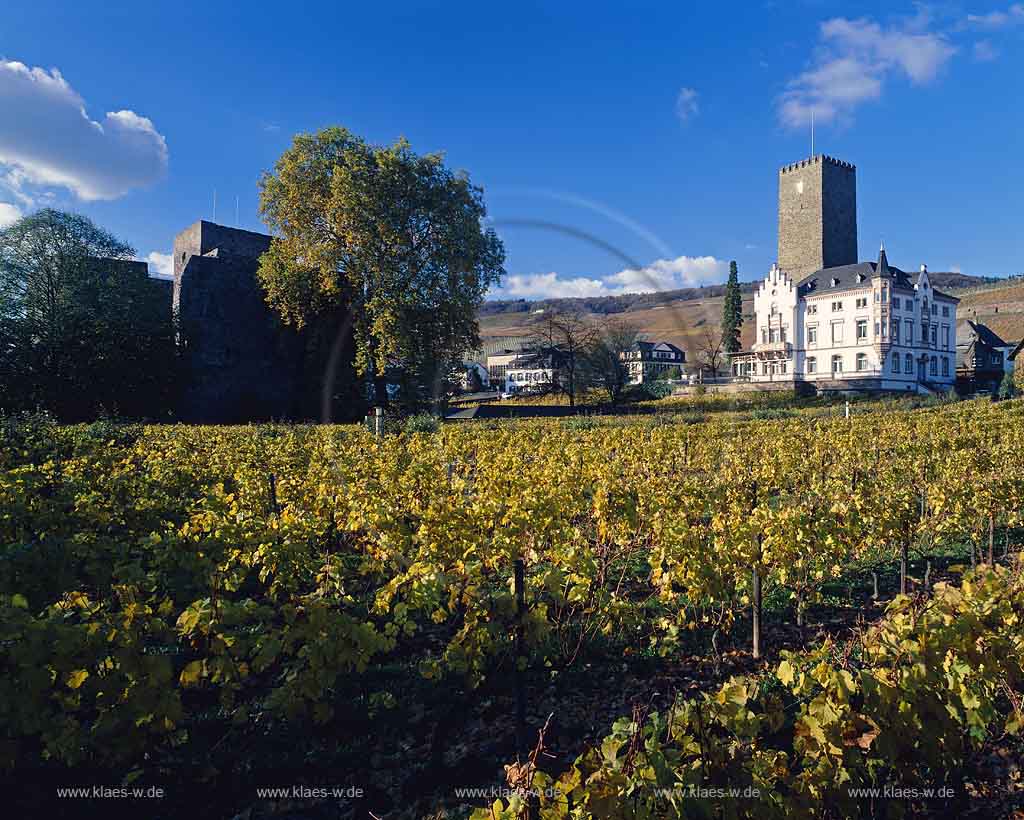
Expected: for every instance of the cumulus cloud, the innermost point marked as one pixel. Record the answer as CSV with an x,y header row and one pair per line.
x,y
160,264
662,274
686,104
8,213
549,286
47,138
855,59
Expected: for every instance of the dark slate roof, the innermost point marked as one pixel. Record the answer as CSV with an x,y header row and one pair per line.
x,y
848,275
849,278
983,333
649,346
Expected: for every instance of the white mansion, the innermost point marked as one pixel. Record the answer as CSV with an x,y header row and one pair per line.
x,y
824,318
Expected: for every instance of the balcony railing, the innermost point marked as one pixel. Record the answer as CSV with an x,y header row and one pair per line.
x,y
773,347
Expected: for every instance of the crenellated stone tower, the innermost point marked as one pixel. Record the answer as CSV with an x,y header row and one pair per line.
x,y
817,215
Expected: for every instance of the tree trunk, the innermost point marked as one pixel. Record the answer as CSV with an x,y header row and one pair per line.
x,y
991,540
380,391
520,583
903,568
874,586
756,603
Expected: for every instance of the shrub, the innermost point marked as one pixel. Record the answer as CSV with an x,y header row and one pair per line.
x,y
422,423
1006,388
579,424
771,414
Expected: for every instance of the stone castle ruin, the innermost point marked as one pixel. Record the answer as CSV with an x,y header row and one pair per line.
x,y
241,363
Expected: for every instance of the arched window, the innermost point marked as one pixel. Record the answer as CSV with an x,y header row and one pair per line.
x,y
908,363
812,364
933,368
895,362
945,366
862,361
837,364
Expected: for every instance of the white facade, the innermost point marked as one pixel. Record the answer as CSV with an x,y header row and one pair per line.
x,y
648,360
864,326
468,368
529,378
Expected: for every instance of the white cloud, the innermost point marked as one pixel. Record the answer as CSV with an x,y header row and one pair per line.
x,y
1014,15
662,274
985,52
8,213
548,286
855,58
668,274
160,264
48,139
686,104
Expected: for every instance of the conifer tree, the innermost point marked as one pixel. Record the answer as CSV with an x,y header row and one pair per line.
x,y
732,311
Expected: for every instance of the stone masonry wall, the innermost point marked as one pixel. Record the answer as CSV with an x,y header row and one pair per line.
x,y
241,363
817,215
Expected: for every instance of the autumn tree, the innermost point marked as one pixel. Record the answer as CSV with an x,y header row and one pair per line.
x,y
607,364
567,338
83,329
711,352
386,244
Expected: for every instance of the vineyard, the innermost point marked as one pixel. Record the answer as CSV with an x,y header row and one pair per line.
x,y
646,612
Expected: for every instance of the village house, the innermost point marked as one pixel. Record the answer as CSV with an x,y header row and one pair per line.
x,y
646,361
980,358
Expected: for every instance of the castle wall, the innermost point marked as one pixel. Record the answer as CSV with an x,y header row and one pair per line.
x,y
241,362
202,237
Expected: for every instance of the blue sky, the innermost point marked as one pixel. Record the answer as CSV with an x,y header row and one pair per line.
x,y
621,147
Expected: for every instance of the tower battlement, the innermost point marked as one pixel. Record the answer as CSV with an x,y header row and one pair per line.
x,y
840,163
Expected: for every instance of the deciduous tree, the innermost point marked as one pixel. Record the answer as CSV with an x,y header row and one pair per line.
x,y
568,338
82,330
615,337
711,352
393,239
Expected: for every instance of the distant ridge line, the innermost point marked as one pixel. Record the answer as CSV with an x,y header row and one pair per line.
x,y
608,305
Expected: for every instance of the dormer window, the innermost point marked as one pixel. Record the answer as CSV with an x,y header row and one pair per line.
x,y
860,277
835,281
